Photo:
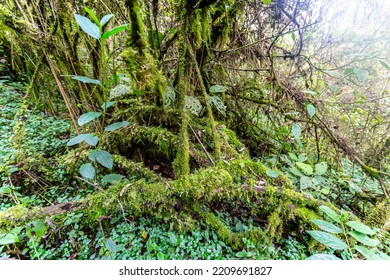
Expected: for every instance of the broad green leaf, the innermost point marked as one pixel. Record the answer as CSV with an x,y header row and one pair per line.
x,y
87,117
329,227
293,37
87,171
267,2
218,103
88,26
305,168
328,239
103,157
361,74
92,15
86,80
8,238
305,182
193,105
114,31
39,228
296,130
332,87
112,178
384,64
112,246
311,110
90,139
302,157
170,96
293,156
107,104
331,213
173,238
367,253
5,190
119,90
116,126
161,256
354,188
105,19
361,227
348,71
324,257
295,171
363,238
218,88
321,168
272,173
309,92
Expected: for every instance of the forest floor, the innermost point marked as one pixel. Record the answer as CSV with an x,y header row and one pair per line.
x,y
25,181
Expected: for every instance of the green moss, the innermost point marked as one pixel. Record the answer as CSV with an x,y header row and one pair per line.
x,y
155,141
306,214
275,224
218,226
18,215
181,201
181,165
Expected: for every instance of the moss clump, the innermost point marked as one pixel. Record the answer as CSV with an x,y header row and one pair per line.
x,y
155,141
380,215
220,228
134,168
181,201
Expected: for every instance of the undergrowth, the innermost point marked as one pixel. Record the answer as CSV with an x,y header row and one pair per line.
x,y
32,174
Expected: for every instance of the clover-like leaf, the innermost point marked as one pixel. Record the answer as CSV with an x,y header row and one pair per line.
x,y
88,117
103,157
87,171
88,26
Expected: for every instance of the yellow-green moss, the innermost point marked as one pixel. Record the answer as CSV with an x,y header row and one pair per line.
x,y
134,168
380,215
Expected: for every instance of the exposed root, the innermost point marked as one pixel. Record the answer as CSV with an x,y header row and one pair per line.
x,y
184,201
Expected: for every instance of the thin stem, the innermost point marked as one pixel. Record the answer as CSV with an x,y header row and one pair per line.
x,y
35,249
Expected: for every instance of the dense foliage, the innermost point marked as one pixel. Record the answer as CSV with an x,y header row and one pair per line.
x,y
211,129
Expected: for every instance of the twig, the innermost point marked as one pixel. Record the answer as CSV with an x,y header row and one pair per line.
x,y
200,142
89,183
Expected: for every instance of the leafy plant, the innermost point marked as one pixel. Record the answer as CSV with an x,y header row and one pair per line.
x,y
351,232
104,158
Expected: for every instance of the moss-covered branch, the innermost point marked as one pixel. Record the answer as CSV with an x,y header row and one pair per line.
x,y
240,182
